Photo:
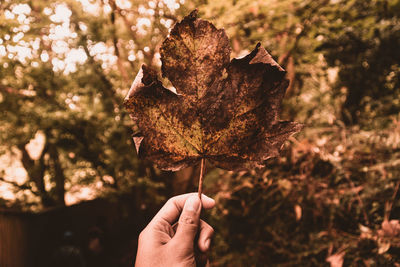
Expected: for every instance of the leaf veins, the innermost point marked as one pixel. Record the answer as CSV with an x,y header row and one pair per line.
x,y
224,110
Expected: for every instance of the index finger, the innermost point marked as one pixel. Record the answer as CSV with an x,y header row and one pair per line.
x,y
172,209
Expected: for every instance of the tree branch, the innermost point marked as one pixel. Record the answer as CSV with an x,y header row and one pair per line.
x,y
24,186
115,42
59,176
36,170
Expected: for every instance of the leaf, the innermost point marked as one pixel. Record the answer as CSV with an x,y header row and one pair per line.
x,y
383,247
223,111
336,260
390,228
298,211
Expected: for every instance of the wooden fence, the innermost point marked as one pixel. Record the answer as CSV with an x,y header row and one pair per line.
x,y
14,236
30,239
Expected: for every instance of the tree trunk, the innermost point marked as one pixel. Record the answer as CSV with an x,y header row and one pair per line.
x,y
36,170
58,176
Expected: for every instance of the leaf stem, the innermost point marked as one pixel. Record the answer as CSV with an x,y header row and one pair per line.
x,y
202,171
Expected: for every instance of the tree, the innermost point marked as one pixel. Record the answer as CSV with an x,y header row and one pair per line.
x,y
361,38
66,68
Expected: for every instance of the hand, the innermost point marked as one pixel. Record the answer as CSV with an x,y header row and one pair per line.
x,y
160,245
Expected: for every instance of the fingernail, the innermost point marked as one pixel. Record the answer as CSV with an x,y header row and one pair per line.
x,y
207,197
192,203
207,243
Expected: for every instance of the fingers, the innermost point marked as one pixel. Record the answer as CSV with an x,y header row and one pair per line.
x,y
206,233
171,210
189,221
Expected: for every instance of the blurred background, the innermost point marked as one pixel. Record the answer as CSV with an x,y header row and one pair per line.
x,y
72,190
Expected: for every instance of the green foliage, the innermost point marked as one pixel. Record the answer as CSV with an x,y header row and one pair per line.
x,y
363,42
69,87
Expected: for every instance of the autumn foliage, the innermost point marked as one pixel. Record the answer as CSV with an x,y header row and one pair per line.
x,y
220,110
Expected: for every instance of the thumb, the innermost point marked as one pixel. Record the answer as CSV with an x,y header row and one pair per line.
x,y
189,222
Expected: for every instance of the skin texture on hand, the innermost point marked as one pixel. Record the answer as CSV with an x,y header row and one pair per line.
x,y
160,245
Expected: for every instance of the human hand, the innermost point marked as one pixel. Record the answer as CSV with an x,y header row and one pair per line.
x,y
160,245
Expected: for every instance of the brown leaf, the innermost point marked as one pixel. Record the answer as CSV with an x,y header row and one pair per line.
x,y
390,228
298,211
336,260
224,111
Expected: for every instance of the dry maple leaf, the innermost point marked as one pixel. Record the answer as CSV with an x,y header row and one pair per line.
x,y
223,111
